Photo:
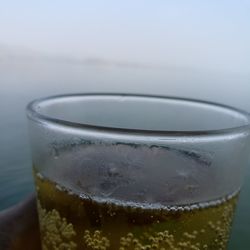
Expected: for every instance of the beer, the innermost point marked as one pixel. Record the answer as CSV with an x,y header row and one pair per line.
x,y
72,221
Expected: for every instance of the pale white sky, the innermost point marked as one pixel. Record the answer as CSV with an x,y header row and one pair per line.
x,y
209,34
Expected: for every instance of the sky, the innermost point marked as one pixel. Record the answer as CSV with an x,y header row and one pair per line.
x,y
211,34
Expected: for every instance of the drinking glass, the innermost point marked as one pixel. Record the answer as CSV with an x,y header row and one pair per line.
x,y
121,171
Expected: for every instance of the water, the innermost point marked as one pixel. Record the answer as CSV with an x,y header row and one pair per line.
x,y
20,82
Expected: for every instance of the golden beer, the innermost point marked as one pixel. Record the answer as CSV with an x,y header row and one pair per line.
x,y
69,221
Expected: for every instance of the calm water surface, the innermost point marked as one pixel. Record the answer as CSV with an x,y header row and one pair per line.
x,y
21,82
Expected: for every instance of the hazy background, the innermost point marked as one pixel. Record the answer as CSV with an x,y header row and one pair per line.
x,y
206,34
187,48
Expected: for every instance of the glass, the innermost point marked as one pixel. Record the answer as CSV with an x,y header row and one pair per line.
x,y
117,171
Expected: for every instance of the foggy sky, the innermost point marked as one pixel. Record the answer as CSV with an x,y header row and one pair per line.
x,y
209,34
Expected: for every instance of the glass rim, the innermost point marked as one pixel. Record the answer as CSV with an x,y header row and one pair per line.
x,y
33,114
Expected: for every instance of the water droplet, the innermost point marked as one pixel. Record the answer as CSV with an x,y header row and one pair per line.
x,y
55,153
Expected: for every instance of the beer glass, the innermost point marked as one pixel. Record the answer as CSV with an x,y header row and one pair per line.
x,y
136,172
